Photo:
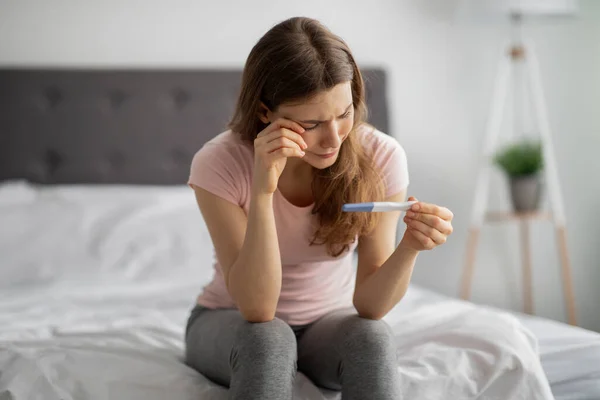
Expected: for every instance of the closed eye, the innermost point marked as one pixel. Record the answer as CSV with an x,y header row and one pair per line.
x,y
317,123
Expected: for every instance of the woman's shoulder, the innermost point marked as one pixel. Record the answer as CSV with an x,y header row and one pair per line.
x,y
376,142
228,146
388,156
228,139
225,152
223,165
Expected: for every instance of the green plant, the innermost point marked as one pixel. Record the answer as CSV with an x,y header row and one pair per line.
x,y
521,158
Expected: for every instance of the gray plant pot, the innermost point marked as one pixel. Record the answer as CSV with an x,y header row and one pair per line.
x,y
525,192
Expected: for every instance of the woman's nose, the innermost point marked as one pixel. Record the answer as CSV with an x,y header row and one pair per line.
x,y
332,138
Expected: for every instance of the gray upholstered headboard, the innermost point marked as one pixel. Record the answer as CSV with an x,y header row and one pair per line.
x,y
121,126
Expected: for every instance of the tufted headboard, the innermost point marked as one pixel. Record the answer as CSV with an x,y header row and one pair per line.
x,y
121,126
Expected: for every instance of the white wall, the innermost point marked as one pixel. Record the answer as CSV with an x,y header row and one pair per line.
x,y
441,56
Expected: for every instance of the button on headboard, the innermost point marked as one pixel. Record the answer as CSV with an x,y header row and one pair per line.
x,y
121,126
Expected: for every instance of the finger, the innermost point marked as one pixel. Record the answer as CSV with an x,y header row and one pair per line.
x,y
428,208
432,220
280,143
435,235
286,152
425,241
281,123
287,134
278,133
412,198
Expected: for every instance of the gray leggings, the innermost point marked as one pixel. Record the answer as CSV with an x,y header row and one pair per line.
x,y
340,351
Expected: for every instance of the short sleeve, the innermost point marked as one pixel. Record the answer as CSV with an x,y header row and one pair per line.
x,y
390,160
216,168
395,169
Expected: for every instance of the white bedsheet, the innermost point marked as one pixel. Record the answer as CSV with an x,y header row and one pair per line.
x,y
96,285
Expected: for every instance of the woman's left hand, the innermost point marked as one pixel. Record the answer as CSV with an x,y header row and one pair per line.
x,y
427,226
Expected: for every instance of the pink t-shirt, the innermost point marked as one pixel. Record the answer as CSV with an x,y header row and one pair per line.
x,y
313,282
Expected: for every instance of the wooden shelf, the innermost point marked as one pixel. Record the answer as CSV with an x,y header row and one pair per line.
x,y
499,216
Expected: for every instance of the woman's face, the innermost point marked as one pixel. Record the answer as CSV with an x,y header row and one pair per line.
x,y
327,119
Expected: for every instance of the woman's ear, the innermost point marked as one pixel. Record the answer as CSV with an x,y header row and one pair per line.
x,y
263,113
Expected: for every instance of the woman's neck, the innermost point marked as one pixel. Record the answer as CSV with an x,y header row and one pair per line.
x,y
295,182
297,171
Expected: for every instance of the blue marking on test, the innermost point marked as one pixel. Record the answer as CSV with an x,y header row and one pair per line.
x,y
358,207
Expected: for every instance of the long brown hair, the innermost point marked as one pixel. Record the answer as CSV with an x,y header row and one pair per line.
x,y
295,60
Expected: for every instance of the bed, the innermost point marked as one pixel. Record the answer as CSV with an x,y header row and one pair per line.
x,y
102,252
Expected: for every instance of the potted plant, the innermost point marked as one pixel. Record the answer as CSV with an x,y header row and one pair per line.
x,y
522,162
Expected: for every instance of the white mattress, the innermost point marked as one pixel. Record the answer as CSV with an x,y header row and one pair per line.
x,y
96,284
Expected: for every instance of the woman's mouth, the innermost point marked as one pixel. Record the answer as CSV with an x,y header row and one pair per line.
x,y
327,155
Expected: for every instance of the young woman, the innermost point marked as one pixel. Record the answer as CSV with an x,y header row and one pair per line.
x,y
271,190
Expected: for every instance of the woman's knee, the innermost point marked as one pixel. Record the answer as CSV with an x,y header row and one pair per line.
x,y
366,335
368,345
274,340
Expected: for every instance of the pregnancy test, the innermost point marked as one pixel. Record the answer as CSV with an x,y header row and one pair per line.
x,y
378,206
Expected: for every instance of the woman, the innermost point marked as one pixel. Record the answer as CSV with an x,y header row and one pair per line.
x,y
271,189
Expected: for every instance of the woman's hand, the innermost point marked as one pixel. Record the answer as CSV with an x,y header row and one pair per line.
x,y
427,226
272,146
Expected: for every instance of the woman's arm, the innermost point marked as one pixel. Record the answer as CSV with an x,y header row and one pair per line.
x,y
247,250
254,279
383,272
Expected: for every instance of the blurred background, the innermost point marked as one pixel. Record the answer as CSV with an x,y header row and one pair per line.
x,y
441,57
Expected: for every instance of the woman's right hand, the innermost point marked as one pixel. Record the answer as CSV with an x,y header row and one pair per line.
x,y
272,147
